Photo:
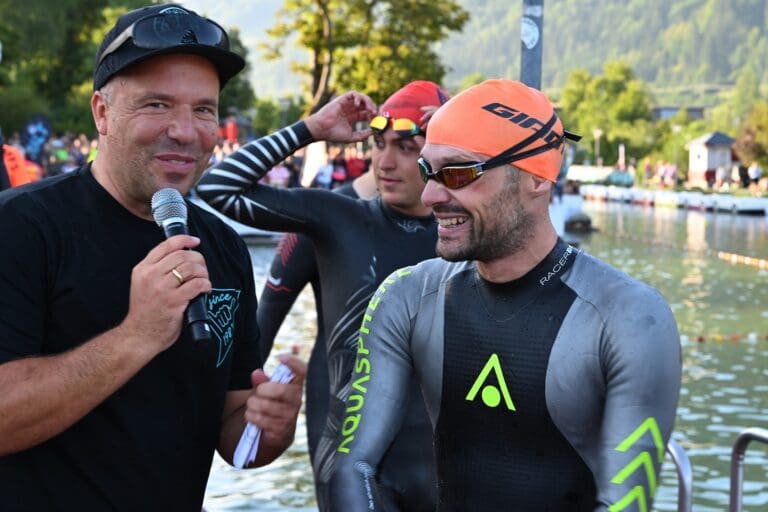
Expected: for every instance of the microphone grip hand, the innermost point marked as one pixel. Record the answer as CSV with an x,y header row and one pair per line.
x,y
197,319
196,314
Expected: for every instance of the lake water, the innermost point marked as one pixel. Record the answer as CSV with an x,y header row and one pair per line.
x,y
722,313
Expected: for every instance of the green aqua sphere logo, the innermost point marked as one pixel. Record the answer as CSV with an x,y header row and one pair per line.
x,y
491,395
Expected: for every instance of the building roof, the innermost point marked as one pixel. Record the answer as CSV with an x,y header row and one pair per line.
x,y
712,139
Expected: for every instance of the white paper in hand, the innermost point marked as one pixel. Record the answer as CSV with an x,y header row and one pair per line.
x,y
248,447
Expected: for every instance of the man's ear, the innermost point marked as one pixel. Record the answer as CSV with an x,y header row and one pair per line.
x,y
540,186
99,110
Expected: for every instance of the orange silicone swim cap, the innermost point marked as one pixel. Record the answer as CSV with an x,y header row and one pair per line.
x,y
496,115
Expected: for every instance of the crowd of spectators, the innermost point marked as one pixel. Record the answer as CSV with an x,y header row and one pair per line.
x,y
66,152
60,153
343,164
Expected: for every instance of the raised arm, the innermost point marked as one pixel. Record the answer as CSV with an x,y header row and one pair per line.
x,y
232,187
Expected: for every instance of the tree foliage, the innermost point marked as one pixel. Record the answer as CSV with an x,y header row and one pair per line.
x,y
375,46
683,45
614,107
48,57
48,52
238,94
730,115
271,115
752,143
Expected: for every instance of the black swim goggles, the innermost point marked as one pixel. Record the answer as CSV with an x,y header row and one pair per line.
x,y
458,175
168,29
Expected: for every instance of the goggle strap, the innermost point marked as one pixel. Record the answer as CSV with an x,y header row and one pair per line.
x,y
571,136
534,152
525,142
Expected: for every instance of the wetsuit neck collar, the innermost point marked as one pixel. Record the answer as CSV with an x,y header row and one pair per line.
x,y
397,215
547,272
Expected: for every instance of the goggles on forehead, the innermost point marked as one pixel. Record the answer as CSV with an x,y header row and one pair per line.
x,y
165,30
458,175
403,127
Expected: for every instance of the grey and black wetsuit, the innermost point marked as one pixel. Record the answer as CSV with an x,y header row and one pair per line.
x,y
556,391
357,244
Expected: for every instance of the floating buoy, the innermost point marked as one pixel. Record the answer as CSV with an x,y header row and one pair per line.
x,y
744,260
734,259
751,337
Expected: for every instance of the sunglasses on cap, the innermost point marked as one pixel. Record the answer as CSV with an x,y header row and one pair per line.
x,y
168,29
458,175
403,127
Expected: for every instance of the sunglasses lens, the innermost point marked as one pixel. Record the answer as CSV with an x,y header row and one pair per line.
x,y
405,127
171,29
379,123
457,177
402,127
451,177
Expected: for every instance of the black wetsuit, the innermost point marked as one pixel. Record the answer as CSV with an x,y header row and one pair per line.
x,y
293,266
556,391
357,243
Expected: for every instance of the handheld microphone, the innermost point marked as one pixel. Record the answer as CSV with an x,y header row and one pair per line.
x,y
170,213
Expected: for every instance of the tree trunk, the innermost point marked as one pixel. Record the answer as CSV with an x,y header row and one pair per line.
x,y
321,93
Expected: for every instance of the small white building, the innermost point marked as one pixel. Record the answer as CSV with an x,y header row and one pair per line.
x,y
705,155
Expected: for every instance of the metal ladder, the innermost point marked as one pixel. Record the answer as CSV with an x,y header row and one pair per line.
x,y
737,463
684,476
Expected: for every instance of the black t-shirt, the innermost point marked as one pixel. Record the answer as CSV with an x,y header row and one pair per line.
x,y
64,279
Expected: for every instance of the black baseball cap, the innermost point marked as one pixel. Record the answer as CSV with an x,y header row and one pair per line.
x,y
156,30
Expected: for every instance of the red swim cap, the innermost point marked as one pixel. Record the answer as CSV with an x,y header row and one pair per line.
x,y
406,103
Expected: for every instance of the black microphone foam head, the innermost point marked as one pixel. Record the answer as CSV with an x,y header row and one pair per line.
x,y
167,203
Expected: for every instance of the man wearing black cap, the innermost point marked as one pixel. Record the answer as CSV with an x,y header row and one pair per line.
x,y
106,401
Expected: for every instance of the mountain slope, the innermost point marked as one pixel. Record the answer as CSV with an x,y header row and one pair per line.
x,y
668,43
679,44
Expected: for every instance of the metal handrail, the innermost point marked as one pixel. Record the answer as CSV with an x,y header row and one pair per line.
x,y
684,476
737,463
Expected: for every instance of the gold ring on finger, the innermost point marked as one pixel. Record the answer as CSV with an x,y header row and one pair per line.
x,y
178,276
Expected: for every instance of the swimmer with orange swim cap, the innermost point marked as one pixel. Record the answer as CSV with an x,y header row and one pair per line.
x,y
547,374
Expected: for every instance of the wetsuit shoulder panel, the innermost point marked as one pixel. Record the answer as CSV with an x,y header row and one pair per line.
x,y
614,379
